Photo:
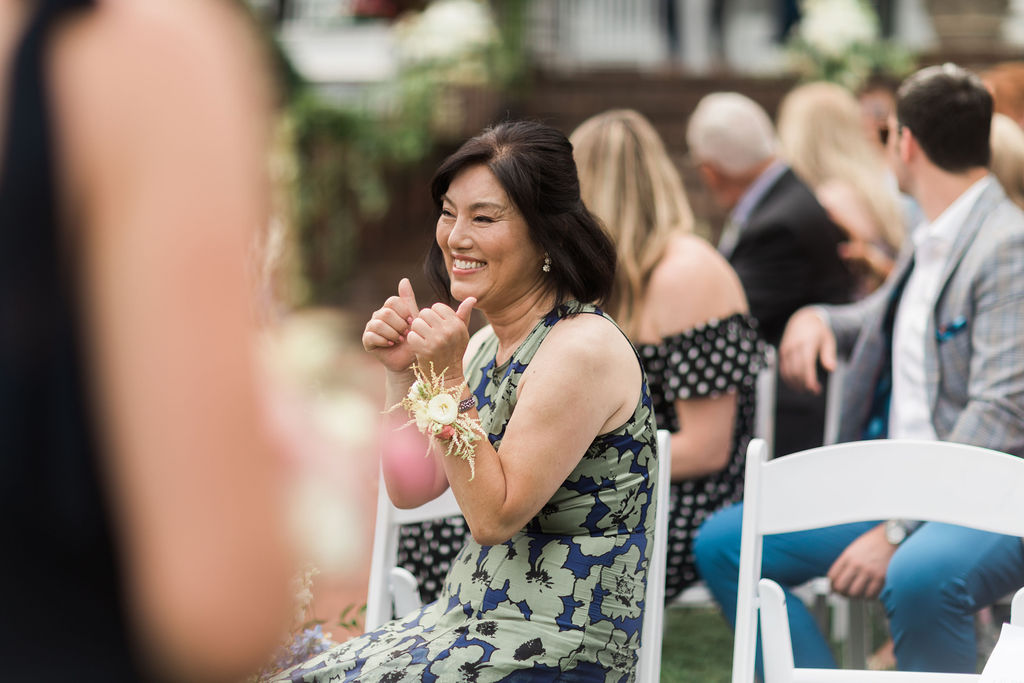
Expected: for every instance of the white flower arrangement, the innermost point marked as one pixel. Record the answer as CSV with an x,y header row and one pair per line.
x,y
455,36
834,26
434,410
839,41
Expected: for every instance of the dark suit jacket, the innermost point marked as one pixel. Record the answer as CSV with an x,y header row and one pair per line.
x,y
787,257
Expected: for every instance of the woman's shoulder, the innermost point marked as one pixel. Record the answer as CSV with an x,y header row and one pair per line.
x,y
692,284
586,339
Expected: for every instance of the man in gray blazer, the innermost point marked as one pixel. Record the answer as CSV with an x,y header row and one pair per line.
x,y
933,354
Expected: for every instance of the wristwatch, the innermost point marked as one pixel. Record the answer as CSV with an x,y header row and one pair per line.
x,y
895,531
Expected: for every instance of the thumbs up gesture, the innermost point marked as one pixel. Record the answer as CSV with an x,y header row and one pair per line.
x,y
399,333
439,335
385,335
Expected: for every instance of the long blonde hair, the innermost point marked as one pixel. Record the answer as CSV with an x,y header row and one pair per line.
x,y
823,138
629,182
1008,157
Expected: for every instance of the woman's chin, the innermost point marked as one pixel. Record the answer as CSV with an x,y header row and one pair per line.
x,y
460,291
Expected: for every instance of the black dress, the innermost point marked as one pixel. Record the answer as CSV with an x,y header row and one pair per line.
x,y
706,361
61,605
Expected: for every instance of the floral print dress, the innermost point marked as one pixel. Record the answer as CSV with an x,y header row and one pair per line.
x,y
563,599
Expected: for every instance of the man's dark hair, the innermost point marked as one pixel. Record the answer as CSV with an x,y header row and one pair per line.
x,y
533,163
949,111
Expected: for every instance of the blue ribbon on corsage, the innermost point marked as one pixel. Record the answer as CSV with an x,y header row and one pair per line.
x,y
950,329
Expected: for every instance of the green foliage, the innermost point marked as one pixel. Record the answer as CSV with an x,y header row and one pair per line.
x,y
838,41
854,66
349,617
347,152
344,155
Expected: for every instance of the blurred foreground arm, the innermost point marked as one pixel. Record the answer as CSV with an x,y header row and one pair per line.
x,y
164,126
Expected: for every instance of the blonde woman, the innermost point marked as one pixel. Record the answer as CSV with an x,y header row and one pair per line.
x,y
1008,157
684,308
822,136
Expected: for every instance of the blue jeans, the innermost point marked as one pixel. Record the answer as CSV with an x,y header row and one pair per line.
x,y
938,578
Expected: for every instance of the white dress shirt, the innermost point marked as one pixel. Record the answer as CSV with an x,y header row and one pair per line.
x,y
909,411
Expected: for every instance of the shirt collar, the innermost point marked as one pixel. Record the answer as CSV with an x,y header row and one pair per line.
x,y
943,230
756,191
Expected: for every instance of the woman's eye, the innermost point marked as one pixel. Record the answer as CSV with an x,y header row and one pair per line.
x,y
484,219
447,213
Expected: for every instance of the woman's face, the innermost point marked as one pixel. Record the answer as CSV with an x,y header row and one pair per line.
x,y
486,245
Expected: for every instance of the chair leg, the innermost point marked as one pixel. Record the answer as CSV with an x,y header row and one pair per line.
x,y
858,644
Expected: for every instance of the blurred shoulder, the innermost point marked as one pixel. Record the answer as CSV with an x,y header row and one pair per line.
x,y
159,29
146,51
158,86
692,284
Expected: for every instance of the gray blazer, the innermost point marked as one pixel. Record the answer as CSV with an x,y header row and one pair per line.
x,y
974,346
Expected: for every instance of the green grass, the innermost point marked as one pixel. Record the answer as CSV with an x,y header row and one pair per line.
x,y
696,647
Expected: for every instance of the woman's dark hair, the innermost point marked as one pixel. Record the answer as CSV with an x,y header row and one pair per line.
x,y
949,111
534,165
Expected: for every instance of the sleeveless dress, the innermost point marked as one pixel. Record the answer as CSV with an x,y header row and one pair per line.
x,y
706,361
563,599
61,604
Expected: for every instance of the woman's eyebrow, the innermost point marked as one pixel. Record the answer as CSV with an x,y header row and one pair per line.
x,y
476,206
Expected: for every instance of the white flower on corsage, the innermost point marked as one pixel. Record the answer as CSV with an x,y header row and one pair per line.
x,y
443,409
434,410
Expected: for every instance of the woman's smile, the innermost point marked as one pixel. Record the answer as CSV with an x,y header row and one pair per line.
x,y
463,266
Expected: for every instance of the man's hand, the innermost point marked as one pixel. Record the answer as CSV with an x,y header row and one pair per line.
x,y
807,340
859,572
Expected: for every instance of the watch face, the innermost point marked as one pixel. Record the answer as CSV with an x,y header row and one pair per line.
x,y
894,532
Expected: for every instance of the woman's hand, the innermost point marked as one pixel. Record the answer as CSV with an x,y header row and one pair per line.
x,y
439,335
385,335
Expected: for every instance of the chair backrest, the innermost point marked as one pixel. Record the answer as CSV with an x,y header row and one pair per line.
x,y
649,664
393,590
764,412
924,480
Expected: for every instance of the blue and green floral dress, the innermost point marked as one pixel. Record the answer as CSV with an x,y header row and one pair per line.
x,y
563,599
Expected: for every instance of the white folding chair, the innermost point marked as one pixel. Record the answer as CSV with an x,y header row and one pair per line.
x,y
925,480
648,668
393,590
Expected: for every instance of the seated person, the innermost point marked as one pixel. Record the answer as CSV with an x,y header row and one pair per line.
x,y
934,356
683,306
821,133
542,427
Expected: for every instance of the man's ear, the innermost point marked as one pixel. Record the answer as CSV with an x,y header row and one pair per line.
x,y
906,146
711,176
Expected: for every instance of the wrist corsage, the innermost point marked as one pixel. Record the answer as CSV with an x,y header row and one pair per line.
x,y
437,412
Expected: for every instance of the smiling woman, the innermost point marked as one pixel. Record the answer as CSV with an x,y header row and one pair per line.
x,y
558,496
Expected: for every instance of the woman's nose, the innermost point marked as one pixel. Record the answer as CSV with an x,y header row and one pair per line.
x,y
459,236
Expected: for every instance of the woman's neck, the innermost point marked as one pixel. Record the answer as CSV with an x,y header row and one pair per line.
x,y
513,323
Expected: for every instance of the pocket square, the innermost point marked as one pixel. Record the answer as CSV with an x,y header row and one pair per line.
x,y
950,329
